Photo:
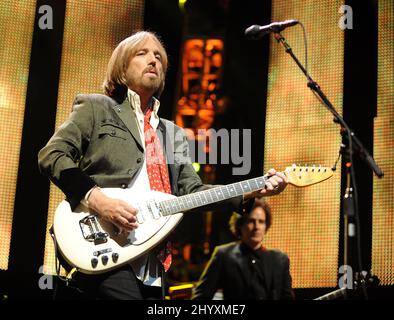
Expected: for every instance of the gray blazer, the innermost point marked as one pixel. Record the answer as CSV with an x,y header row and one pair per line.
x,y
99,144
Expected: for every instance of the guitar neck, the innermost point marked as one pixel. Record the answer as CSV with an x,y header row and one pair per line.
x,y
333,295
296,175
213,195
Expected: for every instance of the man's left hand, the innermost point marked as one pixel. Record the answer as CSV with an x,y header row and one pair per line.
x,y
276,183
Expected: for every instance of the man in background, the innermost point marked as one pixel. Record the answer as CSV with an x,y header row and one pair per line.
x,y
246,269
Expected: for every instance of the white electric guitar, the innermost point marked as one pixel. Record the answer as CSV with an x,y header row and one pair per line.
x,y
93,245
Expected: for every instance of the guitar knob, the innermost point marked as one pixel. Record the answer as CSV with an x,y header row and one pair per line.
x,y
104,260
94,262
115,257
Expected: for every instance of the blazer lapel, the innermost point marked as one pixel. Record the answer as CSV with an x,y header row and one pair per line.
x,y
162,135
126,114
242,263
268,271
168,150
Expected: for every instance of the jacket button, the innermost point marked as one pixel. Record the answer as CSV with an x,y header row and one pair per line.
x,y
139,160
123,186
130,171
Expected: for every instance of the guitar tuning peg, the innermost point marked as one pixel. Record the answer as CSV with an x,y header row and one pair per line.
x,y
293,166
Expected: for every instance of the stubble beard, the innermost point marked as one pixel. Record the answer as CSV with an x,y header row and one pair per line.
x,y
149,85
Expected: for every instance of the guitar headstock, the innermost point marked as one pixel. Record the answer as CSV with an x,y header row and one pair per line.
x,y
303,176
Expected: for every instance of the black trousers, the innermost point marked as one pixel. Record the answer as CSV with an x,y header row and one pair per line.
x,y
119,284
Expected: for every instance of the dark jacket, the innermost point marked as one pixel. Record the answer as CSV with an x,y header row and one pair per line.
x,y
229,270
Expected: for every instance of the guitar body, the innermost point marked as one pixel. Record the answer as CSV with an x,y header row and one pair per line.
x,y
93,245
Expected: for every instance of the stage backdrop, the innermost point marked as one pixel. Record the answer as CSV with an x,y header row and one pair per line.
x,y
383,192
91,32
16,31
300,130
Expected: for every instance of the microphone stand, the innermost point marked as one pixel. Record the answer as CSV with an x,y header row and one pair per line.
x,y
352,146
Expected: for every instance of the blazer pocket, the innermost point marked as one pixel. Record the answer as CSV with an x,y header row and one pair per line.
x,y
111,131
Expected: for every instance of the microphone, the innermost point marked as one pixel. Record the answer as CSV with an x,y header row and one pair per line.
x,y
256,32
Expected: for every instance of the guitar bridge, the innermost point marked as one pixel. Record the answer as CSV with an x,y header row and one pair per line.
x,y
91,230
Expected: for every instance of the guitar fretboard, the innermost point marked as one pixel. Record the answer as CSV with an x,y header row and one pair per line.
x,y
333,295
202,198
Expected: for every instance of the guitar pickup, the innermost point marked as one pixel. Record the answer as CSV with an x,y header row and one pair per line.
x,y
139,215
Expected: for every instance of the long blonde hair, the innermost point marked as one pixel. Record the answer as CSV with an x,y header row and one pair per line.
x,y
115,82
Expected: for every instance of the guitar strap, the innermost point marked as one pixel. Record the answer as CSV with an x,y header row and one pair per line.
x,y
59,261
168,150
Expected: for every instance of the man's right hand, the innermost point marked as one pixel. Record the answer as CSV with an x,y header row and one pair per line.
x,y
116,211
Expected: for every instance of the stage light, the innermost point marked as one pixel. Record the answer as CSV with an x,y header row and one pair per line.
x,y
196,166
16,35
182,4
297,129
